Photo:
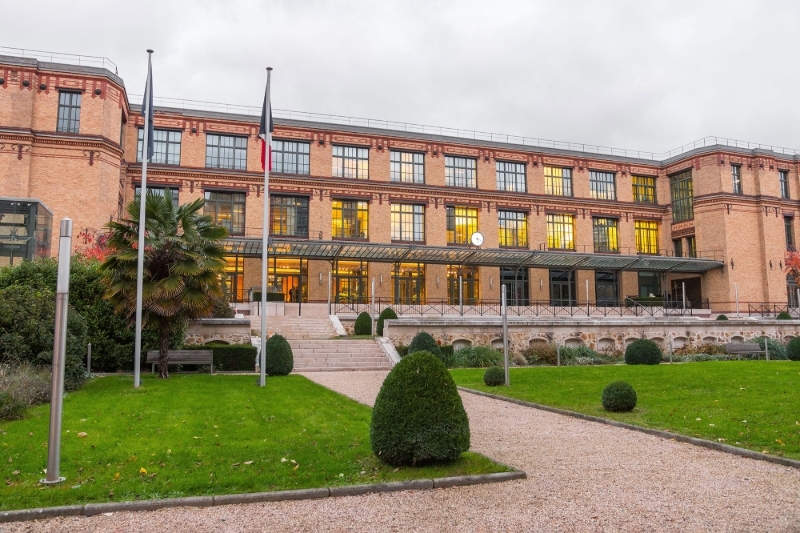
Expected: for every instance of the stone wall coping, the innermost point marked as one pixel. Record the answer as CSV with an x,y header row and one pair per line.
x,y
223,322
628,322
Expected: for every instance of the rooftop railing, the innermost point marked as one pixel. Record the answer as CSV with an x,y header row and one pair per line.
x,y
58,57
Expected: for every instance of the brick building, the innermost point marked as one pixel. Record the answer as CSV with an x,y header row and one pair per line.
x,y
397,203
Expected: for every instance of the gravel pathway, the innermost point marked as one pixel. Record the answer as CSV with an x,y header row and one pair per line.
x,y
582,476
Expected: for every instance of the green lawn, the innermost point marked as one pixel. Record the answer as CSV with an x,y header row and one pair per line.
x,y
197,435
751,404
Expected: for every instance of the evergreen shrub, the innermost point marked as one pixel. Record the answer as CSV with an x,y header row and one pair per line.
x,y
793,349
418,417
643,352
423,341
494,376
783,315
279,359
230,357
619,396
721,317
363,325
386,314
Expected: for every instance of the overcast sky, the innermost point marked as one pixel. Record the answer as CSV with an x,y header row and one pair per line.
x,y
628,74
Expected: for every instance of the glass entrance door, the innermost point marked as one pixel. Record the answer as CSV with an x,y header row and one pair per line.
x,y
289,277
408,283
606,288
350,282
562,288
517,287
469,284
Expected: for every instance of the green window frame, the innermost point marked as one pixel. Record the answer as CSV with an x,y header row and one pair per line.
x,y
462,222
644,189
606,234
682,192
560,232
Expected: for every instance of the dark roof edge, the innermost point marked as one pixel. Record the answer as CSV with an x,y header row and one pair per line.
x,y
61,67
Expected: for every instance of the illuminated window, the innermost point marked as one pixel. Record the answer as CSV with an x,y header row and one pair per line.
x,y
513,229
646,236
510,176
350,219
460,172
408,222
408,283
350,281
736,178
462,222
691,245
783,176
166,147
232,278
350,162
602,186
558,181
644,189
69,112
226,209
560,232
288,215
290,157
606,237
226,151
406,167
682,196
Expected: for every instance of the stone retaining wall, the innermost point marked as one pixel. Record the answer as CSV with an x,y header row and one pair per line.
x,y
227,330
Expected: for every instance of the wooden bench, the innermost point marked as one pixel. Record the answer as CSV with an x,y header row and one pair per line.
x,y
747,348
183,357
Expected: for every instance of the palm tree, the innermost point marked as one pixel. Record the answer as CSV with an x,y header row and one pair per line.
x,y
182,260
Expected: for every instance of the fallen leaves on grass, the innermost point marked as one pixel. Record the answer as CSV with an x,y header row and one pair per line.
x,y
82,434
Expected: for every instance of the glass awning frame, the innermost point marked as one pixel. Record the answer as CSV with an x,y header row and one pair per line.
x,y
452,255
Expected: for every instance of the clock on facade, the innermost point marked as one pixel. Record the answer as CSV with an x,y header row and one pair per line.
x,y
477,238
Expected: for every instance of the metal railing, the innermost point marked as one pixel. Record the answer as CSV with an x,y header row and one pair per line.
x,y
770,309
487,307
59,57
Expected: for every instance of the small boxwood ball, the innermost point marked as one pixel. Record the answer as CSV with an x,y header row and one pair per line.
x,y
783,315
386,314
423,341
793,349
619,396
418,416
363,325
279,356
494,376
721,317
643,352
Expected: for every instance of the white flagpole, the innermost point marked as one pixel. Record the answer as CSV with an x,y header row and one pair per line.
x,y
142,201
265,241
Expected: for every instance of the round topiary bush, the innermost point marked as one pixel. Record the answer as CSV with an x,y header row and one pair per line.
x,y
721,317
793,349
386,314
279,360
418,416
783,315
642,352
363,325
619,396
424,342
494,376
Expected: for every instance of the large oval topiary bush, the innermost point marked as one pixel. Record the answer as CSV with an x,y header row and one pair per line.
x,y
386,314
280,360
494,376
793,349
619,396
418,416
642,352
363,325
423,341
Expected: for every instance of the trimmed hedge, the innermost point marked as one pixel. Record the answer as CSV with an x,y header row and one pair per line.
x,y
271,296
793,349
643,352
386,314
494,376
783,315
721,317
423,342
280,359
619,396
230,357
418,416
363,325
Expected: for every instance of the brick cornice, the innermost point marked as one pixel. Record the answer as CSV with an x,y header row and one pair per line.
x,y
83,142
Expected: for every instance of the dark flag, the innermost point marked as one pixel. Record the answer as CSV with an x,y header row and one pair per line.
x,y
266,111
147,108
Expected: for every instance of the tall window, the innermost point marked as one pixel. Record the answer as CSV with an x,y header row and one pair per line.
x,y
226,151
602,185
226,209
558,181
682,194
646,236
166,147
649,284
606,234
69,112
736,178
787,226
470,286
460,172
289,157
644,189
783,176
510,176
513,229
677,245
350,219
408,222
406,167
159,191
408,283
560,232
691,246
288,215
462,222
351,162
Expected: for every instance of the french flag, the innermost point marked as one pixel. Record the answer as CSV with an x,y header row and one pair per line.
x,y
265,130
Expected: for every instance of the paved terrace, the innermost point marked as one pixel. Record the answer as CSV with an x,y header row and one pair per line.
x,y
582,476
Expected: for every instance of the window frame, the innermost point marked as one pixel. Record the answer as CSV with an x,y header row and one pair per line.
x,y
512,232
681,189
156,142
417,222
736,179
71,123
788,228
279,203
359,171
455,165
397,169
783,180
602,189
302,160
359,219
237,161
647,234
644,193
565,182
518,173
468,216
237,198
605,236
565,224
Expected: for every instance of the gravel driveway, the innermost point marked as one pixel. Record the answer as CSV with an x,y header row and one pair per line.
x,y
582,476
